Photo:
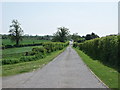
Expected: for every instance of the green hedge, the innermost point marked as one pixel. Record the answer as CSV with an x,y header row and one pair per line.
x,y
37,53
50,47
104,49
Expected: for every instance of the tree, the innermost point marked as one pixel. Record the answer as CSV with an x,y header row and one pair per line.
x,y
94,35
75,37
91,36
16,32
61,35
88,37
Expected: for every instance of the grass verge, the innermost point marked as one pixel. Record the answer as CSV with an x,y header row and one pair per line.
x,y
8,70
108,75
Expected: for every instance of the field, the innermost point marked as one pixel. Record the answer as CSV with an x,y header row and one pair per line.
x,y
24,41
16,52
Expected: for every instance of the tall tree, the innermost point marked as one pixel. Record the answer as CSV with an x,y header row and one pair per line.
x,y
61,34
16,32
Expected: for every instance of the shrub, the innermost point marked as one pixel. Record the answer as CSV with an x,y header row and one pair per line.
x,y
10,61
104,49
53,46
39,50
27,58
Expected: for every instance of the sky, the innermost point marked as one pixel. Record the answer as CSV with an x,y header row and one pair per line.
x,y
43,18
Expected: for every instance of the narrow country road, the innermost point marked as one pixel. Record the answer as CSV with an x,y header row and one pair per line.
x,y
66,71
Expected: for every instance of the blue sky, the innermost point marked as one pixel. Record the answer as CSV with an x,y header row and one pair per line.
x,y
44,18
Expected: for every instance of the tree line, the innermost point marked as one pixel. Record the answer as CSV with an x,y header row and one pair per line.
x,y
62,35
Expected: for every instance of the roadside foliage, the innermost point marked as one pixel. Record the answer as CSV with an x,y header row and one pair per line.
x,y
37,52
104,49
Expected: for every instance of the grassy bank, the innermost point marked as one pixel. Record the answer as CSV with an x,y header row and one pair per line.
x,y
14,69
108,75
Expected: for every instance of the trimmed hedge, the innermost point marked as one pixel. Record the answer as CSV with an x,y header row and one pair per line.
x,y
50,47
37,53
104,49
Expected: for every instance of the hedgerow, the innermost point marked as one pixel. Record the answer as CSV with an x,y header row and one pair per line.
x,y
37,53
9,61
104,49
50,47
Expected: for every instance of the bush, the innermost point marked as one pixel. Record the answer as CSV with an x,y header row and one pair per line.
x,y
104,49
27,58
50,47
9,61
39,50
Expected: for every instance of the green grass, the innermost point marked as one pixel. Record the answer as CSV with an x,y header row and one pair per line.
x,y
8,70
12,56
16,52
108,75
24,41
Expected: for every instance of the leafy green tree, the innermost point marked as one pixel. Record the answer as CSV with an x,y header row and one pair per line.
x,y
91,36
16,32
76,37
61,35
88,37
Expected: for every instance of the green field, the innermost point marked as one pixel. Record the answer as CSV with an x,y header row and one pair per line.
x,y
108,75
24,41
13,69
16,52
13,53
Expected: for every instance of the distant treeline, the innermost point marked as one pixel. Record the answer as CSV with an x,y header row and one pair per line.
x,y
46,37
79,39
27,41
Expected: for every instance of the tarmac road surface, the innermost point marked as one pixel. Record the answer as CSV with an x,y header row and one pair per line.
x,y
67,70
